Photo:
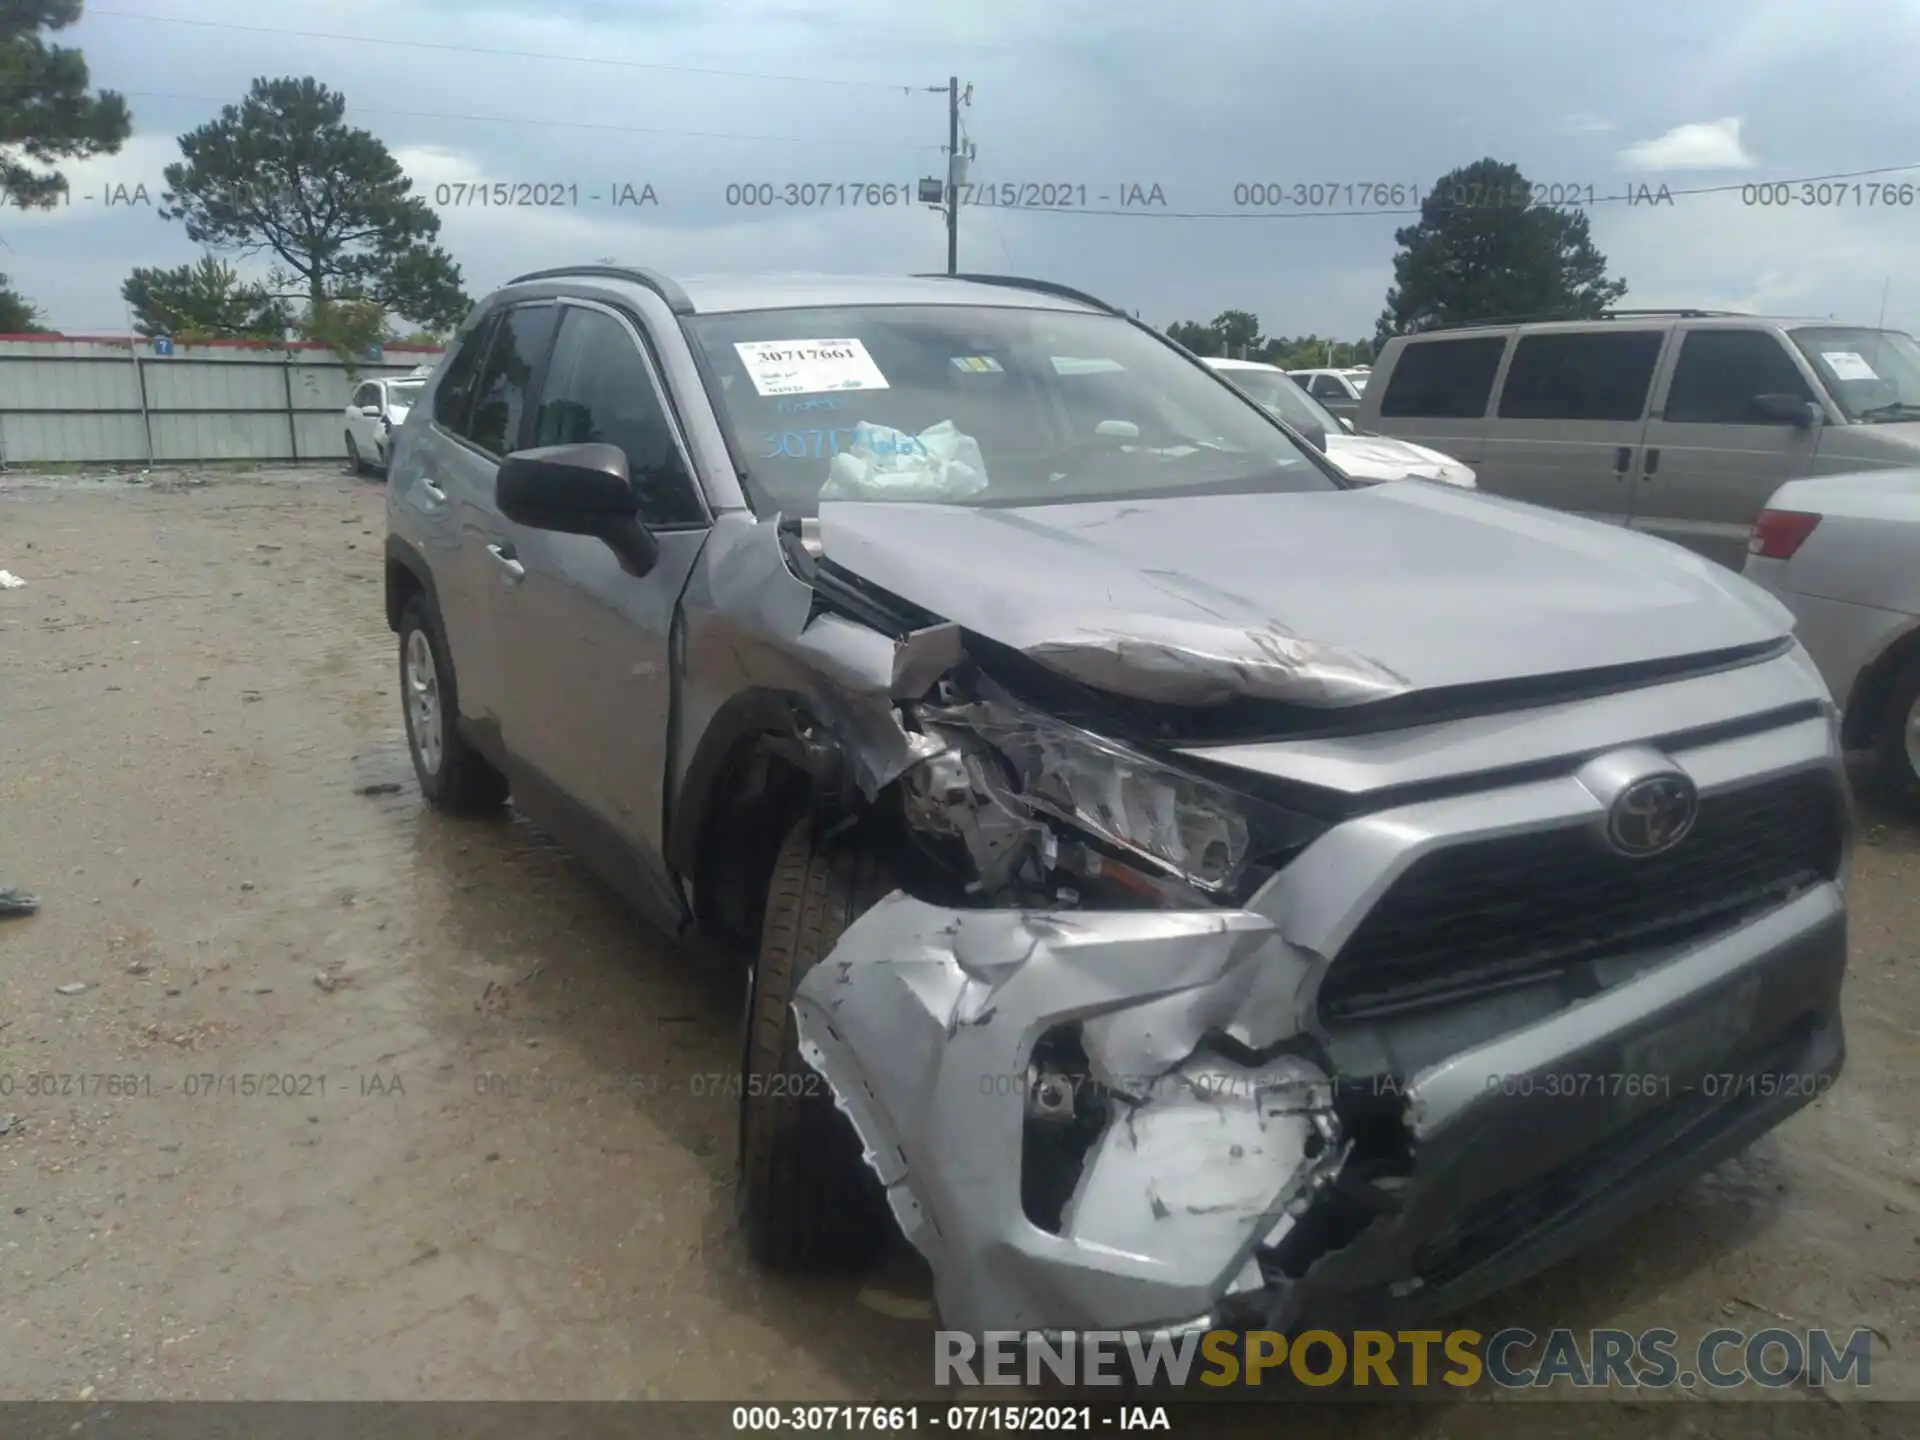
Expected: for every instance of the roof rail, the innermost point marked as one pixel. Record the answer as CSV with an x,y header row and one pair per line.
x,y
1045,287
1680,314
676,298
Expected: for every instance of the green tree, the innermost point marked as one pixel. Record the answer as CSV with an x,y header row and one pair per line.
x,y
17,315
207,301
1198,338
1239,332
281,173
1483,251
46,114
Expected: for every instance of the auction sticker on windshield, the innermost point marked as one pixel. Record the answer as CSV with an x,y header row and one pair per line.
x,y
1847,366
809,367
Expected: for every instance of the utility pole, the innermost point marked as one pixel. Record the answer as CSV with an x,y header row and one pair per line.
x,y
953,175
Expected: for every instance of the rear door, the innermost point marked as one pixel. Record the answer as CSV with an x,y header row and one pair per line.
x,y
586,647
1711,458
495,418
1568,425
1435,392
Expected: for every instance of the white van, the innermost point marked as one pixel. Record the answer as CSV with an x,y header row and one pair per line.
x,y
1678,422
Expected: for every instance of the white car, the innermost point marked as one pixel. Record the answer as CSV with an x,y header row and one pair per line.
x,y
376,410
1337,390
1368,459
1843,553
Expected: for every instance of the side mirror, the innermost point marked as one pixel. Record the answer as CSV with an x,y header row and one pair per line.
x,y
372,412
578,490
1346,424
1787,410
1316,436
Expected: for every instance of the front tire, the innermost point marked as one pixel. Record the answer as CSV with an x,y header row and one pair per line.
x,y
355,464
453,775
1897,746
807,1199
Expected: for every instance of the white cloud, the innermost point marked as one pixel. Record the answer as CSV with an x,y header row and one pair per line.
x,y
1710,145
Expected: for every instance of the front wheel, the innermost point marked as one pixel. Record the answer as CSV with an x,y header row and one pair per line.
x,y
807,1199
355,464
1897,748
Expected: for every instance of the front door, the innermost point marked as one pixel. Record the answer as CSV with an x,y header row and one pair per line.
x,y
585,647
1568,424
1712,456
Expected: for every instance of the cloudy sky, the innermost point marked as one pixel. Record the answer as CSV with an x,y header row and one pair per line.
x,y
1199,97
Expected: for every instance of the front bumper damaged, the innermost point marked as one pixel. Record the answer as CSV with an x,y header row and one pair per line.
x,y
1227,1143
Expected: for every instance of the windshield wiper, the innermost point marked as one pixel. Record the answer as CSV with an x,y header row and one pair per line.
x,y
1891,412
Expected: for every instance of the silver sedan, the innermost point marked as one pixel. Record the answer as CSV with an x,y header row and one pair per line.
x,y
1843,553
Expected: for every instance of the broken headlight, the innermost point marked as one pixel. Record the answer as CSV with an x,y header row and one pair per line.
x,y
1168,821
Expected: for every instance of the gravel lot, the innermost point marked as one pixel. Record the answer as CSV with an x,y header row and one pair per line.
x,y
497,1159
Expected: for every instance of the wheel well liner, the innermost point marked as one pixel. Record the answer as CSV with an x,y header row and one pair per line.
x,y
408,574
1869,694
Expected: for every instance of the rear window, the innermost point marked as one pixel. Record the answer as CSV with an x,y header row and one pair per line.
x,y
1597,376
1444,379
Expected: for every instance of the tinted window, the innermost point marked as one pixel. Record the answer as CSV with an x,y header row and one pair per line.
x,y
1444,379
500,397
598,391
1328,387
1601,376
1720,371
453,401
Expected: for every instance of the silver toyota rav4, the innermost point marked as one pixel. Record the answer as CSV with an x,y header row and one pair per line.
x,y
1180,888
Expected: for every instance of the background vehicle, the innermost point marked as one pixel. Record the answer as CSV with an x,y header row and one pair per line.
x,y
1023,705
1340,391
1680,423
1843,553
376,410
1365,459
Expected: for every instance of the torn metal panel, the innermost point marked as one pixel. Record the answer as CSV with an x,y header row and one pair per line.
x,y
749,621
924,1022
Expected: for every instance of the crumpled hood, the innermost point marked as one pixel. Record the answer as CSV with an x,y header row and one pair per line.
x,y
1329,598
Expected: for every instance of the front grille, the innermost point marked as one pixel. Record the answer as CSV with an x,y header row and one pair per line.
x,y
1690,1122
1495,913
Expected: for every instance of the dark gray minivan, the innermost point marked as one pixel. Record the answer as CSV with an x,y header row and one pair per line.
x,y
1680,423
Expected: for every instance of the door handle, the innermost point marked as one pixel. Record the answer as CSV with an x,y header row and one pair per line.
x,y
1622,459
503,557
1652,465
434,492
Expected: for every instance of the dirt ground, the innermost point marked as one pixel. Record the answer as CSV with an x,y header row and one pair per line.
x,y
489,1151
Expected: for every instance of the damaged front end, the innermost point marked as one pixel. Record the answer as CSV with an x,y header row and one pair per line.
x,y
1082,1071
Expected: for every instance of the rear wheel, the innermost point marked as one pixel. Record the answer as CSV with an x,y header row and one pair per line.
x,y
1897,747
453,775
807,1199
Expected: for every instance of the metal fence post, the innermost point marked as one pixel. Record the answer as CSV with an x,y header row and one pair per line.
x,y
140,379
293,429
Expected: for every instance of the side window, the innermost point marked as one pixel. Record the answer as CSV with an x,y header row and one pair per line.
x,y
1328,387
1444,379
366,395
1597,376
1719,373
453,401
599,391
500,396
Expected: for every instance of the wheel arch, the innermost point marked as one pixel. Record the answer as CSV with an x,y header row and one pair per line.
x,y
1868,697
407,575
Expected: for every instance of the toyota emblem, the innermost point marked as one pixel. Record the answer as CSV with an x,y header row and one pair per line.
x,y
1653,815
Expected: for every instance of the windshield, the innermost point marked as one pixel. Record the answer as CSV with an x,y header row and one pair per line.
x,y
401,394
1282,394
979,405
1873,375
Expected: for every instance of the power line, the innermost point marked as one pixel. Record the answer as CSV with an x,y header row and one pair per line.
x,y
353,109
1641,198
388,42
